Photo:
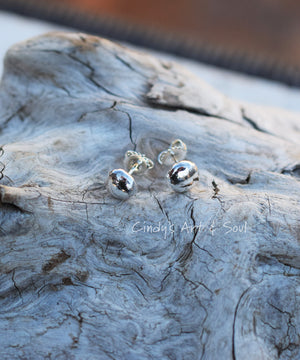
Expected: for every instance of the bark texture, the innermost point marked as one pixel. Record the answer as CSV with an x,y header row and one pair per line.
x,y
209,274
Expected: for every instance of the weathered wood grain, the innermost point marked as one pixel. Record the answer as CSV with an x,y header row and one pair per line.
x,y
81,274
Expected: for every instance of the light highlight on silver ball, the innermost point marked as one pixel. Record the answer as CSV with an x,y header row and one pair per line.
x,y
183,175
121,184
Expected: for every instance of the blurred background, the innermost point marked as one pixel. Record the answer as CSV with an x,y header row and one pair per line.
x,y
249,50
257,37
270,28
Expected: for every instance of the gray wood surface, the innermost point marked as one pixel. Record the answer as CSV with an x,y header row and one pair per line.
x,y
209,274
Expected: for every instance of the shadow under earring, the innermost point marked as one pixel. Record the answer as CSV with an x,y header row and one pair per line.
x,y
183,174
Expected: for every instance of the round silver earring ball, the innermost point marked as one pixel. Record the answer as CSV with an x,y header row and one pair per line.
x,y
121,184
183,176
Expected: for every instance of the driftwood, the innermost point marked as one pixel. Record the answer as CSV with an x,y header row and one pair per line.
x,y
208,274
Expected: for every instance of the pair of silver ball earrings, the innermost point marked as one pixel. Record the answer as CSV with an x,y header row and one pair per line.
x,y
182,176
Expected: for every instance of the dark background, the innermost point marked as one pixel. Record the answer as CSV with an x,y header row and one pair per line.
x,y
268,28
257,37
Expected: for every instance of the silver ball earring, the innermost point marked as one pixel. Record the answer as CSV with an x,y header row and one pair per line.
x,y
183,174
121,183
